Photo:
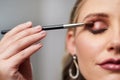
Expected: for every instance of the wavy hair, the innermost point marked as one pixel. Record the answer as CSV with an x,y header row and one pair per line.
x,y
67,61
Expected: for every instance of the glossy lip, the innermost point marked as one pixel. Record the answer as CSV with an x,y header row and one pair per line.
x,y
111,64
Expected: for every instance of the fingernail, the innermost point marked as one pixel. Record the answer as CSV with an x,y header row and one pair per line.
x,y
39,44
43,32
38,27
28,23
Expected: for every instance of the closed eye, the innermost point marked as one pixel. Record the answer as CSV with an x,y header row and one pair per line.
x,y
98,26
100,22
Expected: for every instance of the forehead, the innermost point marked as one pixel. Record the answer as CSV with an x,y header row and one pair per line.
x,y
110,7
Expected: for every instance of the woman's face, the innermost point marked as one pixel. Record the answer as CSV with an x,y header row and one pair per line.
x,y
98,47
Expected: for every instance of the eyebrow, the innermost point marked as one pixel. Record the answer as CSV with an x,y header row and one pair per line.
x,y
97,15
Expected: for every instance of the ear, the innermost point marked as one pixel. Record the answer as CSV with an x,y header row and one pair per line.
x,y
70,42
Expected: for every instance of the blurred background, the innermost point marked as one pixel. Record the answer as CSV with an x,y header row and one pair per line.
x,y
47,62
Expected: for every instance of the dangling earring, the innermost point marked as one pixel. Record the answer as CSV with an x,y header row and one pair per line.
x,y
77,69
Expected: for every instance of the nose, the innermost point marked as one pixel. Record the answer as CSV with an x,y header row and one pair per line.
x,y
115,42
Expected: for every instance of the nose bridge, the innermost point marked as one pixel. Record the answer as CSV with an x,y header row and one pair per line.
x,y
116,33
114,41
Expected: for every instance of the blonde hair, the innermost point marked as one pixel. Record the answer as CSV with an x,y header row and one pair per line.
x,y
68,62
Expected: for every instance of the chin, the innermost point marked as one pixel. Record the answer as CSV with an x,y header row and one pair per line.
x,y
108,77
104,75
112,77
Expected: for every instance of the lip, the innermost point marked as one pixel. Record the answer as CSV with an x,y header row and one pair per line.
x,y
111,64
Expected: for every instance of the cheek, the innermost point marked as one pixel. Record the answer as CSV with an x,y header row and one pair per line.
x,y
88,49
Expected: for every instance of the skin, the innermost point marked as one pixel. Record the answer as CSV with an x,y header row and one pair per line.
x,y
94,48
16,47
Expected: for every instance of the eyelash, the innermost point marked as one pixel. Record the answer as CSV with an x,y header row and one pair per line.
x,y
92,26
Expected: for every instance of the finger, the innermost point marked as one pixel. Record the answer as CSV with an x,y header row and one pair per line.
x,y
25,69
22,44
25,54
27,32
24,33
17,29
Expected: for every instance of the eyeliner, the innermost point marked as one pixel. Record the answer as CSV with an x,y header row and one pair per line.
x,y
55,27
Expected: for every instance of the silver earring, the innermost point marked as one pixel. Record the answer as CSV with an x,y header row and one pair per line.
x,y
77,69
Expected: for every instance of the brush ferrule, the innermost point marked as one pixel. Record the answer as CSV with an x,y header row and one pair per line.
x,y
73,25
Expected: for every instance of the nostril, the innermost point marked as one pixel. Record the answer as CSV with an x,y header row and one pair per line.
x,y
114,49
114,45
111,49
118,49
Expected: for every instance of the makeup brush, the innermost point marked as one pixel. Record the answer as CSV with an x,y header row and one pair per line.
x,y
54,27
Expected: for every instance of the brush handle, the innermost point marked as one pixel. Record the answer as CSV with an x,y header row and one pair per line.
x,y
4,31
50,27
53,27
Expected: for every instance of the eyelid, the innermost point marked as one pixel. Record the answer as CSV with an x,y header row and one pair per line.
x,y
100,25
99,29
96,18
